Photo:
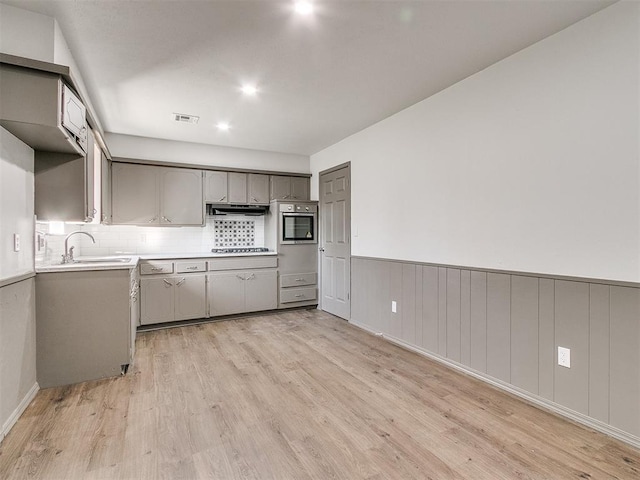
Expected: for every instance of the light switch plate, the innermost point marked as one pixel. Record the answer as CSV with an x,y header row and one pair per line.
x,y
16,242
394,306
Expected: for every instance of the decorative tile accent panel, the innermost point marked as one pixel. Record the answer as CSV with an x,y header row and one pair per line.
x,y
234,233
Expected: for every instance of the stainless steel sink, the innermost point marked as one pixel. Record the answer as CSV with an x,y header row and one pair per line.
x,y
103,260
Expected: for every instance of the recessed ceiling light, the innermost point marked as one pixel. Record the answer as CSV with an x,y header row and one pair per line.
x,y
249,90
223,126
303,8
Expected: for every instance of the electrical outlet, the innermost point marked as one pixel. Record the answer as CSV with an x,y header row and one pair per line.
x,y
564,357
16,242
394,306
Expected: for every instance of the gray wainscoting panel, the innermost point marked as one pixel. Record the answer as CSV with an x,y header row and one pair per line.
x,y
599,352
465,317
408,304
430,308
453,314
395,294
359,291
624,411
571,385
419,317
524,333
546,337
442,311
499,326
479,321
507,326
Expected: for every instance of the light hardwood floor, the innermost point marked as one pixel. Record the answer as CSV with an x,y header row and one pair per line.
x,y
296,395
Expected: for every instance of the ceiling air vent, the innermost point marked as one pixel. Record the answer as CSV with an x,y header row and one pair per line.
x,y
181,117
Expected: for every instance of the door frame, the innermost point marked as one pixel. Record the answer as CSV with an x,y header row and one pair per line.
x,y
321,229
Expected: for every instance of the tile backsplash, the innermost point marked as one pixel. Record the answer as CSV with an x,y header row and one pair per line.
x,y
219,231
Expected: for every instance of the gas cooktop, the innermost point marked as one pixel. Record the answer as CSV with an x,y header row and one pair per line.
x,y
239,250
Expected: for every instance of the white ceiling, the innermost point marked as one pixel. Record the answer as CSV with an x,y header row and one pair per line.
x,y
321,78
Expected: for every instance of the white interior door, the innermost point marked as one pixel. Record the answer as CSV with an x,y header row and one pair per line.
x,y
335,242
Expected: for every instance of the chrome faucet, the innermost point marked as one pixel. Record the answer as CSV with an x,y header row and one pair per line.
x,y
68,252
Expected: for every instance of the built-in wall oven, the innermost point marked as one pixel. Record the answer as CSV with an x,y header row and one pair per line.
x,y
298,223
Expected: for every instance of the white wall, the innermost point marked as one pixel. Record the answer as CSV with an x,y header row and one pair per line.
x,y
530,165
26,34
17,300
143,148
16,206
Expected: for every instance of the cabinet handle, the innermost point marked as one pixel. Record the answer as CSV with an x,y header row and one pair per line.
x,y
299,295
157,269
241,278
299,279
152,220
166,219
167,282
251,277
254,199
180,282
192,268
222,199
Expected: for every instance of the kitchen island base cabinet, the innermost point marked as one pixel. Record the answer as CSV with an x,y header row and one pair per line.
x,y
171,299
242,292
83,326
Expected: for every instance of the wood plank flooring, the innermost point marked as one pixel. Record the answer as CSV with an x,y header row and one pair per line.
x,y
296,395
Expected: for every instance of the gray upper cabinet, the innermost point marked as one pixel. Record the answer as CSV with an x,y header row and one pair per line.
x,y
105,189
181,196
237,188
289,188
258,189
300,188
135,194
216,187
151,195
64,185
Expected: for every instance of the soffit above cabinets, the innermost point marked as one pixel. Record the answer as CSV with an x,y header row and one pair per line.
x,y
320,78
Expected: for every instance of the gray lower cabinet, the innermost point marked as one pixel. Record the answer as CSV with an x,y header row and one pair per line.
x,y
83,325
172,298
298,289
242,291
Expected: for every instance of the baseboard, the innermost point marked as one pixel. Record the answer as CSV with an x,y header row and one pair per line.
x,y
13,418
534,399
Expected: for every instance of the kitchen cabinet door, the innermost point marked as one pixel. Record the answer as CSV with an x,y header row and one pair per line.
x,y
216,187
237,188
181,201
261,290
226,293
105,189
135,190
258,185
299,188
190,297
280,187
158,301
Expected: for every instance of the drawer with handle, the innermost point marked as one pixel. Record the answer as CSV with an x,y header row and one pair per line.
x,y
188,267
298,279
156,268
291,295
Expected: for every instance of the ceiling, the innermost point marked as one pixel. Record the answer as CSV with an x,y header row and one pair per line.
x,y
320,77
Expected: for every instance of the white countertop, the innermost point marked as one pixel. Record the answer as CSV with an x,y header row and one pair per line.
x,y
103,263
177,256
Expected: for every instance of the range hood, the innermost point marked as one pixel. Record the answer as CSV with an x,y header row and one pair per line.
x,y
225,209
